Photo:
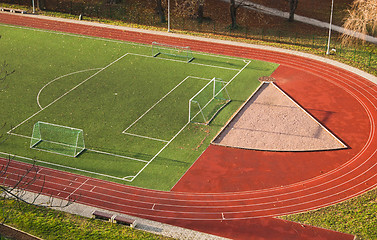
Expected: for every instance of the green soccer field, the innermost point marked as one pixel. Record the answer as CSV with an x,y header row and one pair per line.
x,y
133,108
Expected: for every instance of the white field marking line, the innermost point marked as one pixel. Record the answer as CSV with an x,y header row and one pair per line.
x,y
57,99
87,149
66,75
137,174
116,155
112,40
140,136
126,178
60,166
173,60
82,184
185,126
124,131
235,76
309,115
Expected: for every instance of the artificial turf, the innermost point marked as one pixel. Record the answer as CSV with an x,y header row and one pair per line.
x,y
107,87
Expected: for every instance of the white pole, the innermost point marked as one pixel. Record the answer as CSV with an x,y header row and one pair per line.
x,y
328,43
168,15
33,6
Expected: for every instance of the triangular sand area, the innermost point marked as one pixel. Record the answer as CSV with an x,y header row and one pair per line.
x,y
271,120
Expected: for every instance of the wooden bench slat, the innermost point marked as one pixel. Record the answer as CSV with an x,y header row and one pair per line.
x,y
123,220
102,215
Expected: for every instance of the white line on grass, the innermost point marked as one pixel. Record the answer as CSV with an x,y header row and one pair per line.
x,y
87,149
124,131
62,166
160,151
57,99
109,40
66,75
174,60
140,136
116,155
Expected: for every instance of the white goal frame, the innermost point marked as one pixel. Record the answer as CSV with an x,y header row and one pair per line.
x,y
172,50
34,141
212,82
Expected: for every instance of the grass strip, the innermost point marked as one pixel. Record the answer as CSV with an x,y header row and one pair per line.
x,y
53,224
357,216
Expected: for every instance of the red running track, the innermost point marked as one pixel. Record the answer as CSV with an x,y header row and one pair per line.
x,y
243,190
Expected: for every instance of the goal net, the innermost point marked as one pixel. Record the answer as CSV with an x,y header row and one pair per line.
x,y
57,139
172,51
206,103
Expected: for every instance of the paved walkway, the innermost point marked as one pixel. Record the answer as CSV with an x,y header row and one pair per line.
x,y
141,223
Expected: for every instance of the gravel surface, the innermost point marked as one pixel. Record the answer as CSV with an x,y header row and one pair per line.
x,y
272,121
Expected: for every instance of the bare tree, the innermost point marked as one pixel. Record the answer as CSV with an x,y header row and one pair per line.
x,y
200,10
292,9
17,185
233,12
160,11
362,18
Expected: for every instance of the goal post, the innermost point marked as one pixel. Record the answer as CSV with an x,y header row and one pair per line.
x,y
172,51
206,104
57,139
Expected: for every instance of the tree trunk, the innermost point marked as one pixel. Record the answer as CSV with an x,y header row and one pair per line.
x,y
292,9
233,14
160,11
200,12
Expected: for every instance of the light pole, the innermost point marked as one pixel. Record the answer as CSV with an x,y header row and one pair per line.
x,y
328,42
33,7
168,15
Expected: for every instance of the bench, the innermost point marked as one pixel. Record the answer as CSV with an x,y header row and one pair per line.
x,y
12,10
102,215
125,221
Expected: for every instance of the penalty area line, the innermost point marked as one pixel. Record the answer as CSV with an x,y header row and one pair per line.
x,y
88,149
140,136
124,131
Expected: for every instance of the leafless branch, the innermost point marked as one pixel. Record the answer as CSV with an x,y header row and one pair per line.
x,y
4,73
17,185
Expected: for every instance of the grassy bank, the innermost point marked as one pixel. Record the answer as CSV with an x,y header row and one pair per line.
x,y
52,224
357,216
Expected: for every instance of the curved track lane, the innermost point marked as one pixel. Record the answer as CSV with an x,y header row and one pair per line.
x,y
343,101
